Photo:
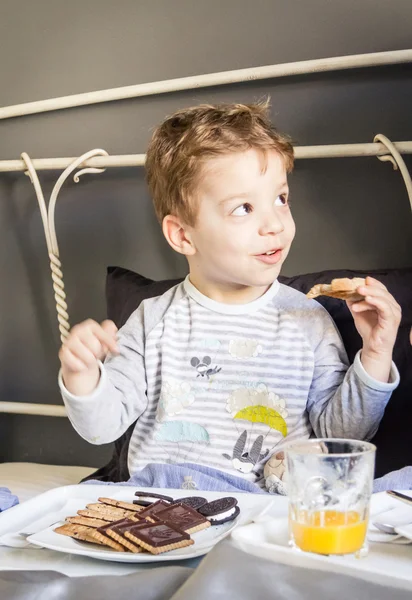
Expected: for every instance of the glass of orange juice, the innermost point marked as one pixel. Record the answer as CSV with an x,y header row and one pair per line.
x,y
329,487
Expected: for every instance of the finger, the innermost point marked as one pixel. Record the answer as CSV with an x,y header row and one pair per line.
x,y
88,350
109,327
89,340
383,308
372,281
378,292
104,337
361,306
374,290
71,362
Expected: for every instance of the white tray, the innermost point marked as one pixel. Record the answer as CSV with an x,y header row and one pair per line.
x,y
387,563
55,505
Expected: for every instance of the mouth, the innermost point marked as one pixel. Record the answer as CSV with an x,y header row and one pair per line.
x,y
270,257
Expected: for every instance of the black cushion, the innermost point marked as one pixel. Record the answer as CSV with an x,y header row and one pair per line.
x,y
125,290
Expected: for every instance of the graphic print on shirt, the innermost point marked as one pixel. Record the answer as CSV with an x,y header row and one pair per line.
x,y
175,432
256,405
202,364
174,398
203,368
244,348
245,461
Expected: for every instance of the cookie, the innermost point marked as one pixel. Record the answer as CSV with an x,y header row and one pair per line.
x,y
104,516
115,531
88,534
220,519
221,510
121,513
143,503
87,521
78,532
158,537
107,541
344,289
119,504
148,495
194,502
153,509
184,517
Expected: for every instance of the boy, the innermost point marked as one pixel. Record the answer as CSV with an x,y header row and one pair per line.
x,y
224,367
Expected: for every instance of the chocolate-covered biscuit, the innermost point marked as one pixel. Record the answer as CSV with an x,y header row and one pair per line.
x,y
153,509
158,537
183,516
116,532
194,502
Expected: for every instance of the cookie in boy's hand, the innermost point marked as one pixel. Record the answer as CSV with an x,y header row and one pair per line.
x,y
344,289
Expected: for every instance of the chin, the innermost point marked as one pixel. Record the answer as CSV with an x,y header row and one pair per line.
x,y
265,280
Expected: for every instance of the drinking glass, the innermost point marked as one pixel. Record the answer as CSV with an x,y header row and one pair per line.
x,y
329,487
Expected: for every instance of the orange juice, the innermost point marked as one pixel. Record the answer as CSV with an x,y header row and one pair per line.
x,y
329,531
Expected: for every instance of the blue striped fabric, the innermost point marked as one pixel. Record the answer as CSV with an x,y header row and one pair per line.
x,y
187,476
7,499
396,480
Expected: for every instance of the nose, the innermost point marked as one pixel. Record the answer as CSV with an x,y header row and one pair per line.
x,y
271,223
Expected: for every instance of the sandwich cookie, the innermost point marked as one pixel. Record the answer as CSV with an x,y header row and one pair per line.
x,y
194,502
220,511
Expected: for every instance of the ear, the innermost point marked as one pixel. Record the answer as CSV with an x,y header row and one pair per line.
x,y
256,448
178,235
240,445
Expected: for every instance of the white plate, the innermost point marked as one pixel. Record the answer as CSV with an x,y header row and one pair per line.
x,y
386,563
203,543
66,501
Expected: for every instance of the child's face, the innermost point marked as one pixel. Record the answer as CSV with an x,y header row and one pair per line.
x,y
243,214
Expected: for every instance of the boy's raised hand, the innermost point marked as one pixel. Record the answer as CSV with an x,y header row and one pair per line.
x,y
86,344
377,320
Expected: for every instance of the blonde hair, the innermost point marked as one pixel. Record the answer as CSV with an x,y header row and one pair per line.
x,y
181,145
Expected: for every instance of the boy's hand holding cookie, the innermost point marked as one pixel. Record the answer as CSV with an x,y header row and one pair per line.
x,y
377,318
87,343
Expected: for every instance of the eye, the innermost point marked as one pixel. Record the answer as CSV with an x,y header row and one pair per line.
x,y
281,200
240,211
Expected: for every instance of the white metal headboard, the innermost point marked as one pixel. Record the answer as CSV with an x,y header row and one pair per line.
x,y
96,161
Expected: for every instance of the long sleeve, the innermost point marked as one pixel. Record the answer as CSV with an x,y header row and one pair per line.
x,y
120,396
344,402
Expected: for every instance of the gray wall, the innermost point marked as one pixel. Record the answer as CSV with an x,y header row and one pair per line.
x,y
350,213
